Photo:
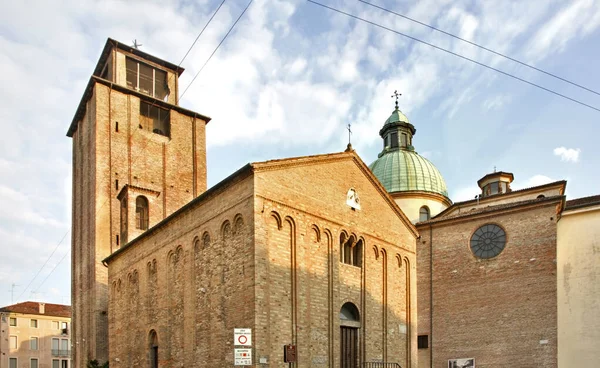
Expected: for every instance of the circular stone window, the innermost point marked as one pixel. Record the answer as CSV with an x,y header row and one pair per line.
x,y
488,241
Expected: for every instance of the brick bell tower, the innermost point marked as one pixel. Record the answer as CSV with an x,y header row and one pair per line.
x,y
137,157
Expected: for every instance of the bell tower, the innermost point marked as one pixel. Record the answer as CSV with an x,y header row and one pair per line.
x,y
137,157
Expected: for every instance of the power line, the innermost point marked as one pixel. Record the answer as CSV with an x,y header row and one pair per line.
x,y
103,204
481,47
59,262
219,45
44,265
456,54
200,34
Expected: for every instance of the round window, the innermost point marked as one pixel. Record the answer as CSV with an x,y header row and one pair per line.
x,y
488,241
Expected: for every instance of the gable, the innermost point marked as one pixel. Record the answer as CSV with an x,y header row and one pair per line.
x,y
319,185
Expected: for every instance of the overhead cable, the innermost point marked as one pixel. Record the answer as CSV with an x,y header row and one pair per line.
x,y
200,34
481,47
215,50
455,54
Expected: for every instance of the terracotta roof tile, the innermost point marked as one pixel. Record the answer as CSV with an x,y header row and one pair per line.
x,y
55,310
583,202
489,209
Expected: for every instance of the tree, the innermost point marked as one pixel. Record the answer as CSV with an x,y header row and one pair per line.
x,y
95,364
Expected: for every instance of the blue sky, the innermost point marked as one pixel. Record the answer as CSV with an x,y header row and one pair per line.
x,y
286,83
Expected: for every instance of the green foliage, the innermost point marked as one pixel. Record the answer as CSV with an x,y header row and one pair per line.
x,y
95,364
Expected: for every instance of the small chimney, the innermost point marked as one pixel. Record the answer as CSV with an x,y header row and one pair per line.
x,y
42,308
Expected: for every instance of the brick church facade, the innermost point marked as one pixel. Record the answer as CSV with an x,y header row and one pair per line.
x,y
350,264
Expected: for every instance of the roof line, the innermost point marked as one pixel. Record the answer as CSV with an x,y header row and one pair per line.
x,y
208,193
87,94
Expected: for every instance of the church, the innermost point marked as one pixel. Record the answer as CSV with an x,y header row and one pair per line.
x,y
320,261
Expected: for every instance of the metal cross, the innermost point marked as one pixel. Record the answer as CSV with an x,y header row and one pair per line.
x,y
136,44
396,94
349,132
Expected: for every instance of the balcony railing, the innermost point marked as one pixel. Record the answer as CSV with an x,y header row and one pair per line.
x,y
61,352
381,365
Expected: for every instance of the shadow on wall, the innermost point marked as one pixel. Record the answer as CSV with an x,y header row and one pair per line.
x,y
288,285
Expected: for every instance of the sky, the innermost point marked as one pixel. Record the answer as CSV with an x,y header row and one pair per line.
x,y
286,82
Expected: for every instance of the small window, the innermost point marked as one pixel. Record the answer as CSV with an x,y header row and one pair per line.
x,y
424,214
155,119
12,363
146,79
33,323
141,213
55,325
33,343
494,188
153,347
541,196
55,363
351,250
55,347
13,342
394,138
423,341
349,312
403,140
65,364
64,325
34,363
13,321
124,214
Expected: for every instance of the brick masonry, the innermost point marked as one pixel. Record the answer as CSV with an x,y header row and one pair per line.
x,y
262,251
500,311
110,150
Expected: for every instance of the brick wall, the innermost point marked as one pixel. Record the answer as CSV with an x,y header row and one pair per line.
x,y
110,151
500,311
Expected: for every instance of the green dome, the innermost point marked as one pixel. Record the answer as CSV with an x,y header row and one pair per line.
x,y
397,116
405,170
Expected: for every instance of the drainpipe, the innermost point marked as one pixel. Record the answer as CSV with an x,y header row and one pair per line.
x,y
430,296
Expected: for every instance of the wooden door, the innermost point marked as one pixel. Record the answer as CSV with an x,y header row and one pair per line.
x,y
349,347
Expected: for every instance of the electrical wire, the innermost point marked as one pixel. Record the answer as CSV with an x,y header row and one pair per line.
x,y
481,47
153,104
200,34
215,50
44,265
51,272
456,54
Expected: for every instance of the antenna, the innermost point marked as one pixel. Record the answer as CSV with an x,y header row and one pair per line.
x,y
136,45
12,292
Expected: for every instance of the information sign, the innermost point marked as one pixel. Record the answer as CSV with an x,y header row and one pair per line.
x,y
242,336
242,356
290,354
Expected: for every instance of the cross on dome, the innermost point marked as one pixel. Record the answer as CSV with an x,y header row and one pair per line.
x,y
396,94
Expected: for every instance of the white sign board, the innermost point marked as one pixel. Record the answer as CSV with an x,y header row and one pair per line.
x,y
242,336
242,356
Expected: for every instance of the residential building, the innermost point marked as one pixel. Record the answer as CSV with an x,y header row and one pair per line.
x,y
35,335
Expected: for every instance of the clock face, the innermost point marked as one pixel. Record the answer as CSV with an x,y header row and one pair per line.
x,y
488,241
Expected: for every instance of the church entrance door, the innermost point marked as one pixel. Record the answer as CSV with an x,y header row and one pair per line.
x,y
349,347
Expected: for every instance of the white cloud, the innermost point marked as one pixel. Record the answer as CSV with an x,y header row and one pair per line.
x,y
496,102
466,193
533,181
284,78
567,154
577,18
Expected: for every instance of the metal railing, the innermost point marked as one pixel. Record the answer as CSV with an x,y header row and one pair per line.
x,y
61,353
381,365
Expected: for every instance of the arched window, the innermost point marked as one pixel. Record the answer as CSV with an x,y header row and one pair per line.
x,y
141,213
349,312
424,214
541,196
153,347
351,250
